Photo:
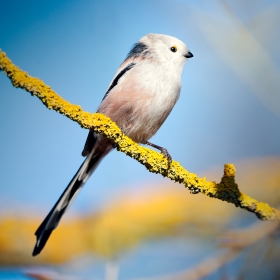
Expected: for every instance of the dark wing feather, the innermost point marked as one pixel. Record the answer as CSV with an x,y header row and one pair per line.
x,y
115,81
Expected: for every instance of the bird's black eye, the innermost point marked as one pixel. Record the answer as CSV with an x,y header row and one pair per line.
x,y
173,49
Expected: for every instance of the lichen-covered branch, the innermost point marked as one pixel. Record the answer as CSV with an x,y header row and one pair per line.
x,y
155,162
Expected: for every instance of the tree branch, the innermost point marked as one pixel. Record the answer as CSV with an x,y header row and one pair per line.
x,y
155,162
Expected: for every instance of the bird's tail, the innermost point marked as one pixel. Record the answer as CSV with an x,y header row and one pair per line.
x,y
51,221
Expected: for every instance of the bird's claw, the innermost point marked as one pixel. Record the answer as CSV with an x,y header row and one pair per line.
x,y
164,152
167,155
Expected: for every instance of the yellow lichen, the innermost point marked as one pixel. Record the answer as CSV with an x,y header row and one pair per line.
x,y
226,190
229,170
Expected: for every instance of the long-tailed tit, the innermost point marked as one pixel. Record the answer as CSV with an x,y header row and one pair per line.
x,y
140,97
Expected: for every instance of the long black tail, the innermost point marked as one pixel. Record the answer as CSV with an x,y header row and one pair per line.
x,y
51,221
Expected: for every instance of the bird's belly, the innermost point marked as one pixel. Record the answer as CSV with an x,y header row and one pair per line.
x,y
143,121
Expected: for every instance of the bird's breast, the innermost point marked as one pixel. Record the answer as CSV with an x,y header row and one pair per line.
x,y
140,103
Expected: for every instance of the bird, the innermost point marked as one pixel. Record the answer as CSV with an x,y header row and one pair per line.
x,y
139,98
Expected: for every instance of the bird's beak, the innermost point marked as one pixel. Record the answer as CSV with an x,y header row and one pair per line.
x,y
188,55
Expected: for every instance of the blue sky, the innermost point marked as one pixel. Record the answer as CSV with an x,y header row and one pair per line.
x,y
76,46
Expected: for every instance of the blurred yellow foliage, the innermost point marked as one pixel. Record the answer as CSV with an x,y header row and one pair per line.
x,y
151,212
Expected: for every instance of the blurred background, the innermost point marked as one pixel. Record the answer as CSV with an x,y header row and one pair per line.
x,y
128,223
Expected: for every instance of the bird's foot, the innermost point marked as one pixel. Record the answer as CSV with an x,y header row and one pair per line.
x,y
163,151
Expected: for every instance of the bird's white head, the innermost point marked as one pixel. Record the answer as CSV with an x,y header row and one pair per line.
x,y
161,48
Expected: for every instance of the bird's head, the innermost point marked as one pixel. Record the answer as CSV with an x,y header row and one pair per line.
x,y
165,49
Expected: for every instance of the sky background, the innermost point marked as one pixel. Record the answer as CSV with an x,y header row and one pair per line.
x,y
228,108
228,111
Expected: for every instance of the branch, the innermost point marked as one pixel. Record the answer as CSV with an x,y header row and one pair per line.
x,y
155,162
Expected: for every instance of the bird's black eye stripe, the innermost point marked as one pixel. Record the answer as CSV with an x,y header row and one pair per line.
x,y
173,49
